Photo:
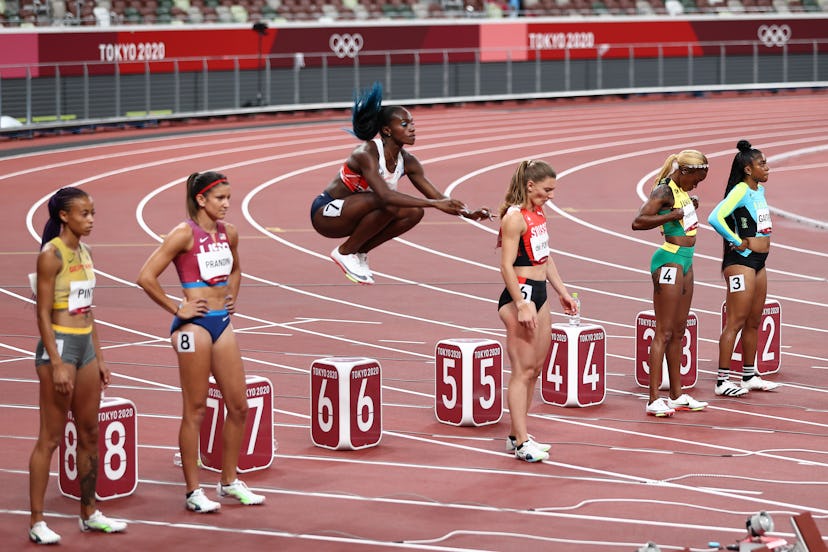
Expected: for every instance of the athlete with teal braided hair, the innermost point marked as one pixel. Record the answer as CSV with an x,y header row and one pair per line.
x,y
362,203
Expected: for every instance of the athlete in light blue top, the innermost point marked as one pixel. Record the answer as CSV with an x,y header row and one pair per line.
x,y
743,219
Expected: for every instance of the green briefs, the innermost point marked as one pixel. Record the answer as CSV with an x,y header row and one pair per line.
x,y
669,253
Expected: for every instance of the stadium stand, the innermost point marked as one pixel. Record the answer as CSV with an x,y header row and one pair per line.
x,y
30,13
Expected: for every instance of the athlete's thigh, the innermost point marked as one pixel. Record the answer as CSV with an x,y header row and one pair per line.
x,y
760,293
194,348
668,288
354,208
740,281
227,366
87,394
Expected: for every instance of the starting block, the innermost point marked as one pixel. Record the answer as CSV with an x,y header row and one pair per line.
x,y
117,452
346,403
469,382
645,332
768,342
575,371
257,443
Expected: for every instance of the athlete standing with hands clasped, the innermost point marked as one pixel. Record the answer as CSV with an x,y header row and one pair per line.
x,y
204,250
743,220
672,208
526,266
68,359
362,203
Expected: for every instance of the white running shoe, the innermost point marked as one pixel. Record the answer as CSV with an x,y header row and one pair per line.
x,y
659,408
352,267
100,523
198,502
238,490
530,452
756,383
686,402
363,260
730,389
511,444
41,534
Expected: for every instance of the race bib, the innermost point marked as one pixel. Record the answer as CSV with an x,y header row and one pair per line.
x,y
58,344
539,241
526,291
80,296
215,266
691,219
333,209
763,221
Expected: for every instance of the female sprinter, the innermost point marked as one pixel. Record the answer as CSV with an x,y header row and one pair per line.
x,y
526,266
204,252
743,220
672,208
362,203
68,359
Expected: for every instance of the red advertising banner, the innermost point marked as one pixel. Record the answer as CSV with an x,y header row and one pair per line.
x,y
516,39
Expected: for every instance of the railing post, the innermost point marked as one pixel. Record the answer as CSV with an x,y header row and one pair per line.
x,y
325,78
416,75
387,86
205,96
509,75
267,80
477,72
57,92
356,71
755,63
660,65
28,95
815,61
785,62
567,71
85,91
445,74
236,83
631,62
176,87
117,90
147,89
689,65
296,88
537,70
722,64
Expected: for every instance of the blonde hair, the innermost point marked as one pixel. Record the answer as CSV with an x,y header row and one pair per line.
x,y
686,159
526,171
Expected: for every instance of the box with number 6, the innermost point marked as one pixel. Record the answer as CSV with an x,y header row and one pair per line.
x,y
346,403
117,451
575,369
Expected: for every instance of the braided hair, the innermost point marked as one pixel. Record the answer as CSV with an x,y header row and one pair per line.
x,y
369,115
60,201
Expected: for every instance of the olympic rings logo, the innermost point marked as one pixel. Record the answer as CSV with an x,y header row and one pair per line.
x,y
774,35
346,45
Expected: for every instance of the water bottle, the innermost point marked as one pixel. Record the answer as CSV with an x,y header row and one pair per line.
x,y
575,319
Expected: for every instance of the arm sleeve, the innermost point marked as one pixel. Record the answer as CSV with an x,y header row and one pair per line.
x,y
724,209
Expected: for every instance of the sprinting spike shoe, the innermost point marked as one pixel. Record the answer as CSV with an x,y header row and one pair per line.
x,y
530,452
756,383
238,490
352,267
730,389
686,402
511,444
41,534
659,408
100,523
198,502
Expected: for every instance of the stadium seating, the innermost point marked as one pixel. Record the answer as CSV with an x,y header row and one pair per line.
x,y
29,13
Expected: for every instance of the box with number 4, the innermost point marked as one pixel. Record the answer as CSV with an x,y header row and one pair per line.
x,y
575,370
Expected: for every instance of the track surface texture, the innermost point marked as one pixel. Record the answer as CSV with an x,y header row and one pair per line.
x,y
615,478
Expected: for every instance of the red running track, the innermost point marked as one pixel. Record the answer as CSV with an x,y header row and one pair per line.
x,y
615,479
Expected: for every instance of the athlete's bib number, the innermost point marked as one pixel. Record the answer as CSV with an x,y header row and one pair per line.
x,y
763,221
667,275
736,283
540,244
80,296
215,265
691,220
526,291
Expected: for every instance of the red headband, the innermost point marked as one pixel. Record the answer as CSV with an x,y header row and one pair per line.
x,y
211,184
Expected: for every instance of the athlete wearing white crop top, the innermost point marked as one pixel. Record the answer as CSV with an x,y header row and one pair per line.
x,y
362,203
